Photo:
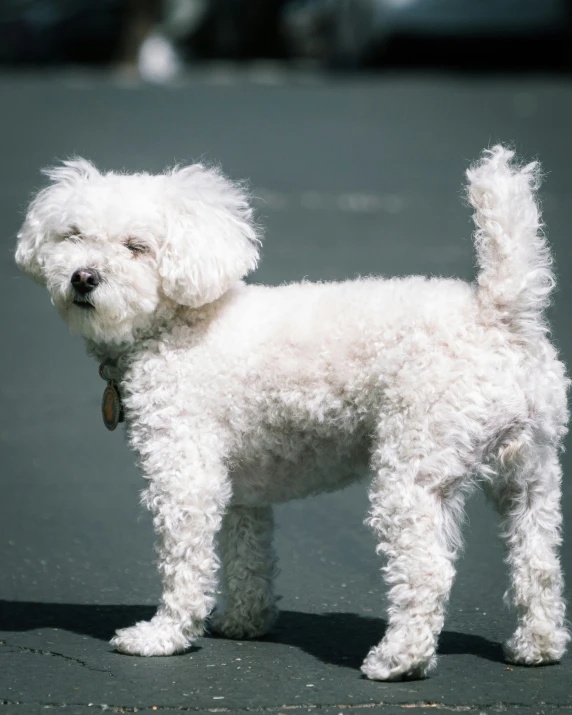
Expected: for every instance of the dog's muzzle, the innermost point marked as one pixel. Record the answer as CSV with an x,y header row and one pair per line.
x,y
83,281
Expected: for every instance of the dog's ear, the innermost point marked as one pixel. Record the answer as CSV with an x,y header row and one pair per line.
x,y
45,213
211,240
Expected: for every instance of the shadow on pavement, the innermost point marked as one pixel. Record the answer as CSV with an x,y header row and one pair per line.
x,y
344,638
340,639
84,619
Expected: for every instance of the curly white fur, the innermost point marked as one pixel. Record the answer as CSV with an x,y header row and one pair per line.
x,y
238,397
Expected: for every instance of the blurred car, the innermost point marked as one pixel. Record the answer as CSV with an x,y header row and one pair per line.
x,y
348,31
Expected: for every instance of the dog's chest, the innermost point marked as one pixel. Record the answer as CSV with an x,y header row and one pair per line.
x,y
292,465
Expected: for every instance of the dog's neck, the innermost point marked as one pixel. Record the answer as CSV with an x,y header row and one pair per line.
x,y
115,357
117,354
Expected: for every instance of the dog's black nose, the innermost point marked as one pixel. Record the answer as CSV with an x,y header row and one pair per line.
x,y
85,280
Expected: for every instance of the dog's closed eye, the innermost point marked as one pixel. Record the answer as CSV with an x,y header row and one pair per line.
x,y
72,232
136,246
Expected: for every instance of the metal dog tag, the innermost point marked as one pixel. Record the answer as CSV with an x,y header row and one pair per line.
x,y
111,407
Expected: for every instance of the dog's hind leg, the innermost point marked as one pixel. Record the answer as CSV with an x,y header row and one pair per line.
x,y
249,567
526,493
416,510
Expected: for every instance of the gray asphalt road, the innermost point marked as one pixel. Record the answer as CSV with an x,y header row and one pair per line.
x,y
353,177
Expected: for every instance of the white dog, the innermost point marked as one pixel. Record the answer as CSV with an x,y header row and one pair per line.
x,y
240,396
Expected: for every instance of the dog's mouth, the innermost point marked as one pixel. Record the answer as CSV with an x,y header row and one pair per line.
x,y
83,303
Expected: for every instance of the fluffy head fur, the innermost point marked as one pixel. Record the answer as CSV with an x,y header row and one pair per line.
x,y
180,238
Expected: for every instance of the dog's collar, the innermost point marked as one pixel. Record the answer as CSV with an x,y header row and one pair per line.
x,y
111,404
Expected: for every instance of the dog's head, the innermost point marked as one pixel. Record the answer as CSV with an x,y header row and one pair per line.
x,y
114,250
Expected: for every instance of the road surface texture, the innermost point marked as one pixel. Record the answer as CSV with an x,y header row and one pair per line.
x,y
353,176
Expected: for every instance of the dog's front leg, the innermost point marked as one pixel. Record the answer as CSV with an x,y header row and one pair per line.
x,y
188,502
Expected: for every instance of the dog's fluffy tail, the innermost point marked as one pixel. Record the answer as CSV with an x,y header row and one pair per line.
x,y
515,276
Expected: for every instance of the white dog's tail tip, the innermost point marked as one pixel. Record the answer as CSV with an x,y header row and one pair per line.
x,y
515,277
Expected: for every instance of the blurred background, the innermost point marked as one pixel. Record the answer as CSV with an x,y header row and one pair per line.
x,y
156,39
354,122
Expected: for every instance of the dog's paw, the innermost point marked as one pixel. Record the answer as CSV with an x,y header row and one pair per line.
x,y
242,626
378,666
540,647
148,638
